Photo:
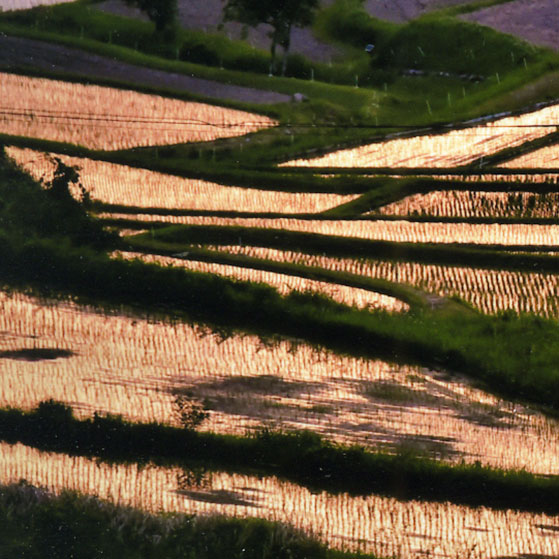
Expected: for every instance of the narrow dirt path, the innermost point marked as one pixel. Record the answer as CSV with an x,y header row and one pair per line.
x,y
17,52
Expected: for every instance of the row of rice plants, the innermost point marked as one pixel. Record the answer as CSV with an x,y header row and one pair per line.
x,y
490,291
383,526
454,148
118,184
125,365
464,203
284,283
397,231
107,118
546,157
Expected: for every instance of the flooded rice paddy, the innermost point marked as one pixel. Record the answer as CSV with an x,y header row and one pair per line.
x,y
105,118
120,364
384,526
463,203
452,149
284,283
490,291
400,231
120,184
137,366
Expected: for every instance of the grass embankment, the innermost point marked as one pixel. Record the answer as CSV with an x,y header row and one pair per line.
x,y
35,524
301,457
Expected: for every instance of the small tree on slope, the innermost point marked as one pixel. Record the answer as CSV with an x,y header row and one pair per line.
x,y
281,15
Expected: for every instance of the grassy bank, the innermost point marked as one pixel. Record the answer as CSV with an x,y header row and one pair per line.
x,y
36,524
301,457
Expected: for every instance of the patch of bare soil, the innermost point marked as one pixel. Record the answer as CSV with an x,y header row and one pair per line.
x,y
17,52
536,21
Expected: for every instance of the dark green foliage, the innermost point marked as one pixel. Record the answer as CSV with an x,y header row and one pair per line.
x,y
163,13
282,15
35,524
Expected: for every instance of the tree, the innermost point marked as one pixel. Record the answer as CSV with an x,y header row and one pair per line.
x,y
281,15
162,12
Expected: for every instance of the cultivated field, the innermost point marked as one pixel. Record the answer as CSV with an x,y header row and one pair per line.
x,y
386,527
454,148
104,118
121,364
119,184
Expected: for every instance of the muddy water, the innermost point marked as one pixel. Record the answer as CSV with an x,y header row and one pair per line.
x,y
135,367
383,526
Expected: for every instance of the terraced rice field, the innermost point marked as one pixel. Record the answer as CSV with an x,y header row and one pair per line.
x,y
284,283
547,157
490,291
383,526
401,231
119,184
452,149
114,363
105,118
464,203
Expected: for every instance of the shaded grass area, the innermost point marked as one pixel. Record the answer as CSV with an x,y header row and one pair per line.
x,y
35,524
301,457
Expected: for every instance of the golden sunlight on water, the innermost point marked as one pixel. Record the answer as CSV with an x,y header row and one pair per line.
x,y
284,283
458,147
547,157
119,184
105,118
383,526
398,231
135,367
490,291
461,203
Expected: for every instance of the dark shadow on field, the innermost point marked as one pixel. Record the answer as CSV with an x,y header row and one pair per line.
x,y
35,354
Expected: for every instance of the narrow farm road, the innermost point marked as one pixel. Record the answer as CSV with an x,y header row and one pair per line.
x,y
20,52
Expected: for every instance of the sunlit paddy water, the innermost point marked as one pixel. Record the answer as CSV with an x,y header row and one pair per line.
x,y
463,203
384,526
119,184
106,118
400,231
132,366
284,283
490,291
454,148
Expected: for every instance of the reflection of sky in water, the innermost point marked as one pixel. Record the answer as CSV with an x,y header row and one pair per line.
x,y
381,525
135,367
